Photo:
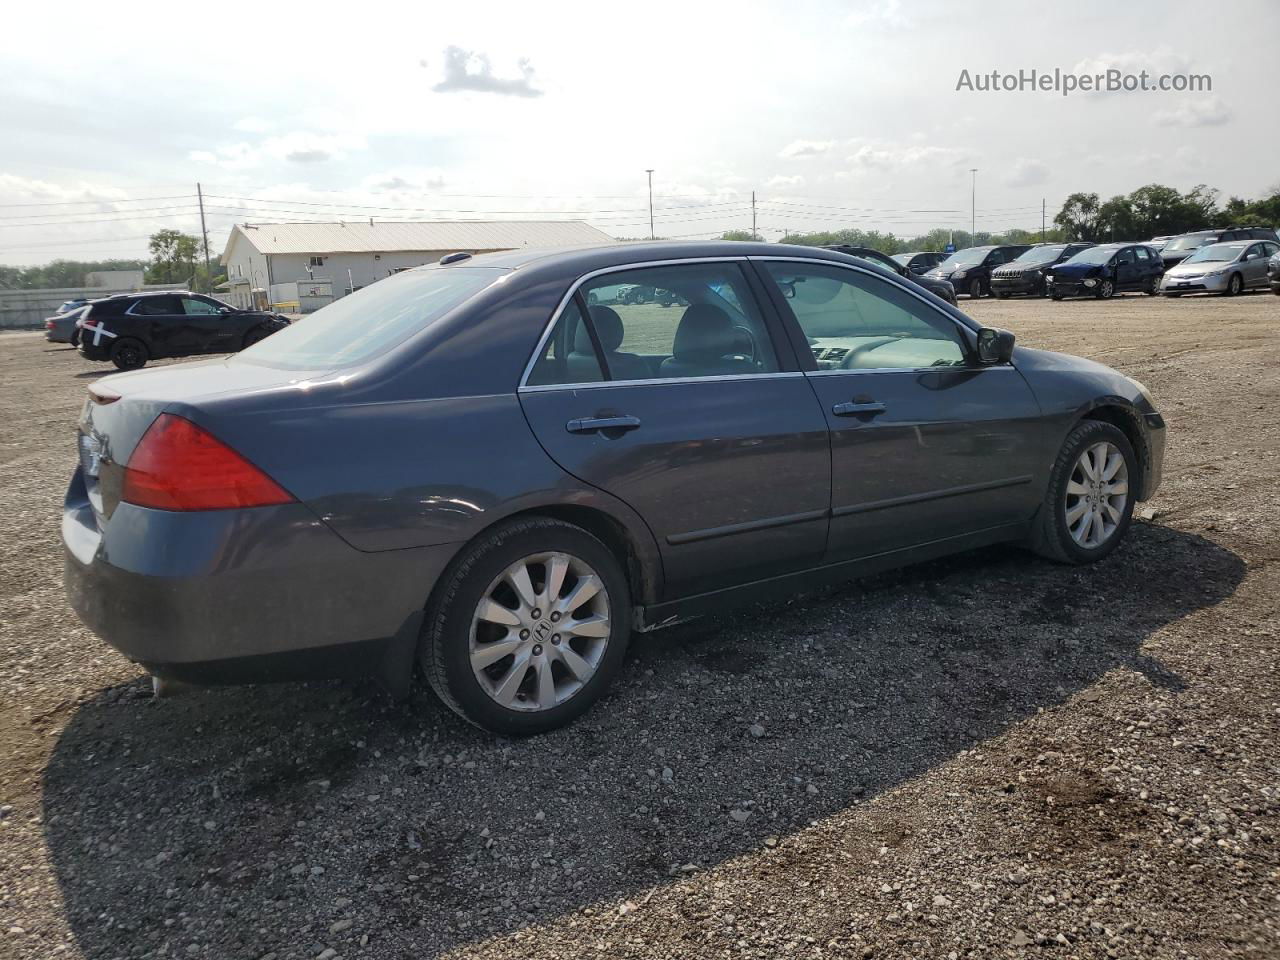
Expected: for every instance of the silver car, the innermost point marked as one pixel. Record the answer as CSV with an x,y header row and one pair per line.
x,y
61,327
1227,268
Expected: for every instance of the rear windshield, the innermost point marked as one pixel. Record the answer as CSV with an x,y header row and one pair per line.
x,y
371,321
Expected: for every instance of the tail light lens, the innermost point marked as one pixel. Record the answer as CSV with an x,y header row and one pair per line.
x,y
180,466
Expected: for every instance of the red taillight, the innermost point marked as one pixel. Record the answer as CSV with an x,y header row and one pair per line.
x,y
49,324
179,466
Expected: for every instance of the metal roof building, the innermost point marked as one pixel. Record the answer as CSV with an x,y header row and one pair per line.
x,y
352,255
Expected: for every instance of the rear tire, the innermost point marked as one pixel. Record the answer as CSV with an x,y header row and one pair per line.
x,y
129,354
501,668
1074,494
975,289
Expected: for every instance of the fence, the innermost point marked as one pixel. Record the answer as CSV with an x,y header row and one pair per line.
x,y
26,309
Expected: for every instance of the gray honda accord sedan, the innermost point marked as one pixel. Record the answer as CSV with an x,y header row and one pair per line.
x,y
496,468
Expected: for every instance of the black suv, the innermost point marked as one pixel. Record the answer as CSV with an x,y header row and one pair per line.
x,y
1026,274
969,270
132,328
1180,247
939,288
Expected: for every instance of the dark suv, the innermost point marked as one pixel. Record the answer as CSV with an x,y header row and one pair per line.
x,y
969,270
922,261
1180,247
1026,274
133,328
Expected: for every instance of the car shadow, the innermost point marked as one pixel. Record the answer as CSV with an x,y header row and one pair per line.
x,y
248,820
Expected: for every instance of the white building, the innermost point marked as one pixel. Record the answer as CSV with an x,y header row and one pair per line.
x,y
259,256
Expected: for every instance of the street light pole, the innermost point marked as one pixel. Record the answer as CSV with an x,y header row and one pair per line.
x,y
973,207
650,173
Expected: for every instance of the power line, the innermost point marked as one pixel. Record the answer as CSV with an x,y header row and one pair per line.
x,y
62,203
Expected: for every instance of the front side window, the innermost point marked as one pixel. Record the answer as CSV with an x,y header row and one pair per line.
x,y
198,308
853,321
655,323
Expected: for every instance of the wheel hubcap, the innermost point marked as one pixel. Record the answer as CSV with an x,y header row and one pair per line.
x,y
540,631
1097,493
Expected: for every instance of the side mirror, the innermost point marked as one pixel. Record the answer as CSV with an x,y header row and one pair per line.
x,y
995,346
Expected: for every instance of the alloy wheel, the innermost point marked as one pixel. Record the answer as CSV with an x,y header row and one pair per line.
x,y
1106,289
1097,493
1234,285
540,631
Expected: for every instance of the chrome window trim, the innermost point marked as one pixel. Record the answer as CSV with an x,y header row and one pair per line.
x,y
603,271
662,381
940,369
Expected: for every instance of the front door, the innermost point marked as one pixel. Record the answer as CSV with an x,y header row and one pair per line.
x,y
926,444
212,330
170,330
1129,275
693,414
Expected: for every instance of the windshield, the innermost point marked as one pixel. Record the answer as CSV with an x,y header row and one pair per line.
x,y
364,324
1187,243
1041,254
1217,251
1094,255
966,258
902,258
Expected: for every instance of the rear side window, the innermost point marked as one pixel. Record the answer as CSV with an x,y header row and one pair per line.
x,y
365,324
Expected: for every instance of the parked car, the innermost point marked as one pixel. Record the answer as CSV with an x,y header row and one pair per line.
x,y
61,327
1105,270
1026,273
1273,274
1226,268
921,262
133,328
939,288
467,467
969,270
1158,242
1180,247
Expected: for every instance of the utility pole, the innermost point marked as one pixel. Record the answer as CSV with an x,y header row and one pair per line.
x,y
753,215
650,173
1042,210
973,207
208,277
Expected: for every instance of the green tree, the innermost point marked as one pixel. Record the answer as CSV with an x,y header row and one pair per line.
x,y
173,257
740,235
1078,217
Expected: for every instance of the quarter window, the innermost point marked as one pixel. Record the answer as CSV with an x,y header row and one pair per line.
x,y
853,321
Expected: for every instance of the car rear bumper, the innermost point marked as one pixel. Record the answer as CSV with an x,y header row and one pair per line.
x,y
239,595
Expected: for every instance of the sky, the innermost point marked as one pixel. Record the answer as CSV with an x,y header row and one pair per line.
x,y
834,114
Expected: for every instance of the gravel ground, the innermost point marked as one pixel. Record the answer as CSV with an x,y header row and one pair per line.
x,y
988,756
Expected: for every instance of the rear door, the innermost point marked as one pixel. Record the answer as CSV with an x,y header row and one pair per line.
x,y
694,414
926,444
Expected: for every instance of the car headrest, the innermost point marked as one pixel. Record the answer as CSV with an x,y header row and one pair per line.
x,y
705,332
608,328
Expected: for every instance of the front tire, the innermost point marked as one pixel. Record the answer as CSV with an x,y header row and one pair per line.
x,y
129,354
1235,285
1088,506
529,627
1106,290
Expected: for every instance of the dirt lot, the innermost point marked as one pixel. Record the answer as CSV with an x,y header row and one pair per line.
x,y
984,757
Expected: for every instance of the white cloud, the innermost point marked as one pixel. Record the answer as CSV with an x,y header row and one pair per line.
x,y
882,155
1155,62
1207,112
806,148
404,181
781,181
1026,172
466,70
881,13
233,156
300,147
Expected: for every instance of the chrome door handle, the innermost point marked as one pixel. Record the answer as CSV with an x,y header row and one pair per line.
x,y
592,424
856,409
